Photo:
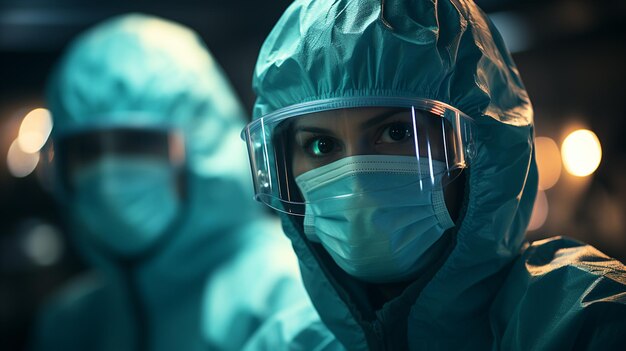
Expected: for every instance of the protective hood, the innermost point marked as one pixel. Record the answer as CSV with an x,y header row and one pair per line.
x,y
145,72
447,51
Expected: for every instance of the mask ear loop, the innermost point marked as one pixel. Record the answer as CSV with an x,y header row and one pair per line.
x,y
382,16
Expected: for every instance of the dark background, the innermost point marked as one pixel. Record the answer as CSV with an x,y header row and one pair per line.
x,y
571,54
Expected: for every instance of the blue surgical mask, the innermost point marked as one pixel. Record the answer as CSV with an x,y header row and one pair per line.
x,y
393,214
126,204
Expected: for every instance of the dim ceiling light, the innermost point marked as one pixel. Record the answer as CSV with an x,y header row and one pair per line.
x,y
514,29
581,153
43,245
34,130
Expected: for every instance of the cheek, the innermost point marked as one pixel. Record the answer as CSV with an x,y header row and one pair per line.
x,y
299,164
402,149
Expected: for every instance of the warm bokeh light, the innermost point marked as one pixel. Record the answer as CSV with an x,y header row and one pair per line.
x,y
21,163
34,130
540,211
548,162
581,152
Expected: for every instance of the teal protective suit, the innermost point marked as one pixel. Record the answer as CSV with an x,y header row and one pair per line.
x,y
225,267
492,290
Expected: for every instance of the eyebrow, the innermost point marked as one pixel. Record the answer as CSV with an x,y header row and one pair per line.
x,y
312,129
367,124
381,117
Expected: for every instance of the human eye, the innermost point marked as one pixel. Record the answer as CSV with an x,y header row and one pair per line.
x,y
320,146
395,132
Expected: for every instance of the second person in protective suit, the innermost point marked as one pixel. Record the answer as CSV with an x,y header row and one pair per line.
x,y
395,138
155,187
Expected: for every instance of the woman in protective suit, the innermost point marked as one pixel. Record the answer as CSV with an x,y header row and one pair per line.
x,y
395,138
155,185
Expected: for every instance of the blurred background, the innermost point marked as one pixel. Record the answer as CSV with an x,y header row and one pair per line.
x,y
571,54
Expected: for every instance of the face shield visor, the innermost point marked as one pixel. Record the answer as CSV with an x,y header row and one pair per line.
x,y
70,154
126,185
365,149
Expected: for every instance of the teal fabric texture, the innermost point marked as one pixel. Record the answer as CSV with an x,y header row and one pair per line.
x,y
492,290
144,72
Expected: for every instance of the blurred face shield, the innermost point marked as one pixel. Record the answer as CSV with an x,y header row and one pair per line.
x,y
126,185
357,172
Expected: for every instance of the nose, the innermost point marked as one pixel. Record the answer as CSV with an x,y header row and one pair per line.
x,y
356,144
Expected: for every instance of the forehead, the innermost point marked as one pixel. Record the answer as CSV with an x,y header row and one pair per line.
x,y
365,117
352,116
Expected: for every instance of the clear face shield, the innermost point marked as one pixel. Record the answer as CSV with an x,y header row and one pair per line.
x,y
126,184
324,153
72,153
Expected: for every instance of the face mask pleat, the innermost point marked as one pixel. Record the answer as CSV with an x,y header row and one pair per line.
x,y
386,222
